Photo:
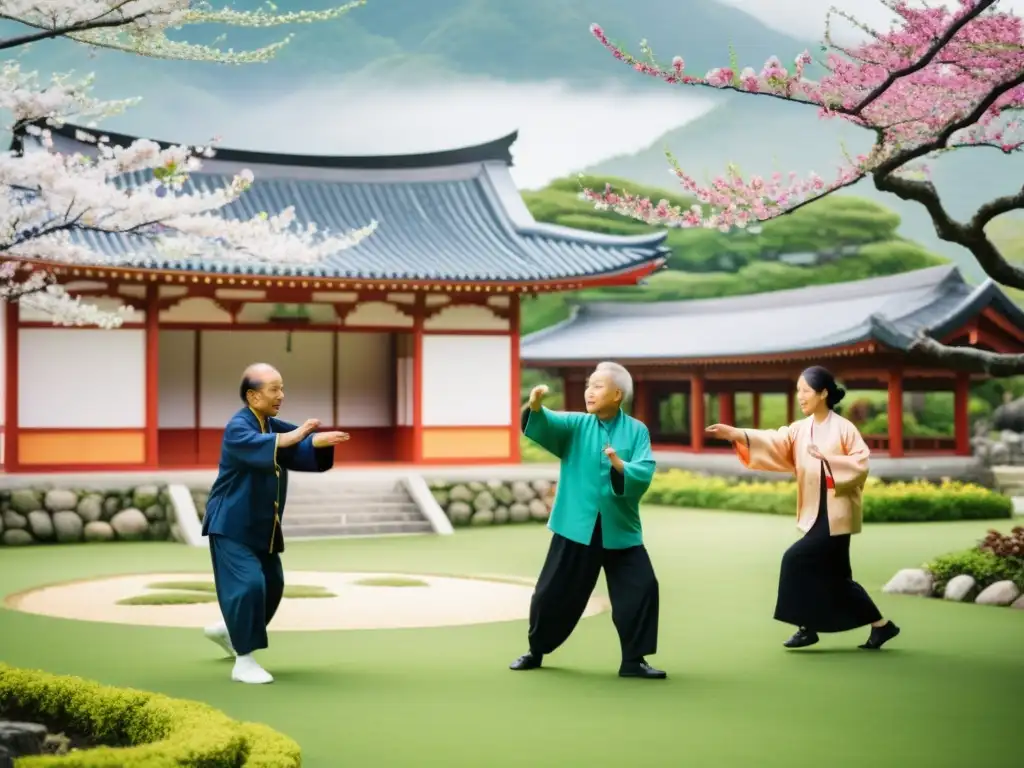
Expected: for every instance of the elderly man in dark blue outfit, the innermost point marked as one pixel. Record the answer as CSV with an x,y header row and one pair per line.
x,y
243,514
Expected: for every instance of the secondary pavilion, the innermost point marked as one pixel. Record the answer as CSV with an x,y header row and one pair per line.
x,y
409,341
759,344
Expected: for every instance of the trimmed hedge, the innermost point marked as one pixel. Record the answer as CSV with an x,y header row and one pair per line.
x,y
883,502
138,729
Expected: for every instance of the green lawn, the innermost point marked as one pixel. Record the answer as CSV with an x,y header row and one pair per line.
x,y
947,693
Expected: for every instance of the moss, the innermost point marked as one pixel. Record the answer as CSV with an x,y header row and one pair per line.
x,y
169,598
293,591
391,581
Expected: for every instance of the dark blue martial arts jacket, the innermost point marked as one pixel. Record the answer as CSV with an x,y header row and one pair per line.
x,y
247,500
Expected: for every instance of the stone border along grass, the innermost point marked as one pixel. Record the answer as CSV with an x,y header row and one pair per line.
x,y
137,729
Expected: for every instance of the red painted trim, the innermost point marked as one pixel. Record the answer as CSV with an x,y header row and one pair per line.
x,y
152,375
122,327
468,332
830,352
335,355
997,318
515,308
11,339
197,385
756,408
698,420
417,381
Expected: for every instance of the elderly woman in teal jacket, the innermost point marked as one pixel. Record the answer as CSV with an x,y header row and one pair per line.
x,y
606,467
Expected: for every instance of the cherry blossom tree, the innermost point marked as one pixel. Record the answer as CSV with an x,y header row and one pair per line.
x,y
939,80
49,200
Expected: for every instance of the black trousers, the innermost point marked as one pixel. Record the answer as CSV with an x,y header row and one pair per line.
x,y
567,580
816,586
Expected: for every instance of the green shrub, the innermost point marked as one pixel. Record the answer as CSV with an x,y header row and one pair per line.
x,y
984,567
137,729
883,502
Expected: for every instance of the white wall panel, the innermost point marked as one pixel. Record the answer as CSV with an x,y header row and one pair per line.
x,y
177,379
365,376
306,371
466,318
81,378
467,380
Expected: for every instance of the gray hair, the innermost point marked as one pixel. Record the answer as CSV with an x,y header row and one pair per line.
x,y
619,376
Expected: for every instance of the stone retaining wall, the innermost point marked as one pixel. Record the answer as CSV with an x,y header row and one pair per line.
x,y
63,516
495,502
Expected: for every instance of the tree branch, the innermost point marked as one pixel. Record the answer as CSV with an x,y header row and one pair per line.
x,y
969,358
925,60
78,26
994,208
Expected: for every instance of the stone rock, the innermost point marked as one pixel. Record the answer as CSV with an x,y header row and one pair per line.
x,y
154,512
13,519
541,486
17,537
25,500
959,587
503,494
97,530
501,515
22,739
90,507
159,530
130,524
145,496
60,501
460,493
483,517
493,485
459,512
1018,603
41,525
440,496
998,454
911,581
522,492
476,486
539,510
484,500
518,513
111,506
1000,593
67,526
176,534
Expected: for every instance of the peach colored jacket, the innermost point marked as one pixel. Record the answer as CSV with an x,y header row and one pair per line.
x,y
846,461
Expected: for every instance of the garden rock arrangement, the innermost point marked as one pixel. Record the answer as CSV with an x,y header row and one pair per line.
x,y
64,516
495,502
19,739
1005,450
990,574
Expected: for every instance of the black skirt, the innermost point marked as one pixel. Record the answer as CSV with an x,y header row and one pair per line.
x,y
816,586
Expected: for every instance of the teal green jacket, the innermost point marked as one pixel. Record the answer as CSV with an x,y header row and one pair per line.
x,y
587,483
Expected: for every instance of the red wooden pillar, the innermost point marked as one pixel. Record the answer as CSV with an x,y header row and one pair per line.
x,y
790,406
961,420
697,419
152,376
513,324
896,414
417,379
640,408
11,337
727,408
756,409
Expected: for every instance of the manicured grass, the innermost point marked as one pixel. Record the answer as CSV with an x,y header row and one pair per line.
x,y
391,581
295,591
947,693
169,598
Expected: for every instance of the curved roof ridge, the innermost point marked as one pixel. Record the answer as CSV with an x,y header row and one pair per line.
x,y
497,150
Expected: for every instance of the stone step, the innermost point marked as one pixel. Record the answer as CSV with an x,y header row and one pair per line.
x,y
329,495
340,504
356,529
290,519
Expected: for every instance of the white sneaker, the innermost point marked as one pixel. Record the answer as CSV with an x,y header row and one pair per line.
x,y
248,671
218,633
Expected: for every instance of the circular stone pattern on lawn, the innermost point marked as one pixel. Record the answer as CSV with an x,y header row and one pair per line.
x,y
355,601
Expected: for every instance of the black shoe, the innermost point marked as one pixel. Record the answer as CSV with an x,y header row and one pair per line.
x,y
802,638
880,636
641,668
528,660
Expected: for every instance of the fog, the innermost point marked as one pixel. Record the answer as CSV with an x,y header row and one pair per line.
x,y
560,130
805,19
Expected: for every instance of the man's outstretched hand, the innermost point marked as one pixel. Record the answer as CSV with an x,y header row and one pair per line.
x,y
327,439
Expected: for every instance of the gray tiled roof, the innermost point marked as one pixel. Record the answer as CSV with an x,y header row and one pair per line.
x,y
445,216
890,310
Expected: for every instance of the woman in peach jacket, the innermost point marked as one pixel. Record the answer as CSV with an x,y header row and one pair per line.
x,y
817,592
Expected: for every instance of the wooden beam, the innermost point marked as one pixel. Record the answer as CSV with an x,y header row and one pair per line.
x,y
961,414
513,432
896,414
152,363
11,361
697,417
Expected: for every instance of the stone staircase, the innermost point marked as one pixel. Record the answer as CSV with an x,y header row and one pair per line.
x,y
1009,480
321,506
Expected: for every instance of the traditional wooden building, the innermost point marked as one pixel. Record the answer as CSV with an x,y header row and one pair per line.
x,y
759,344
409,341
